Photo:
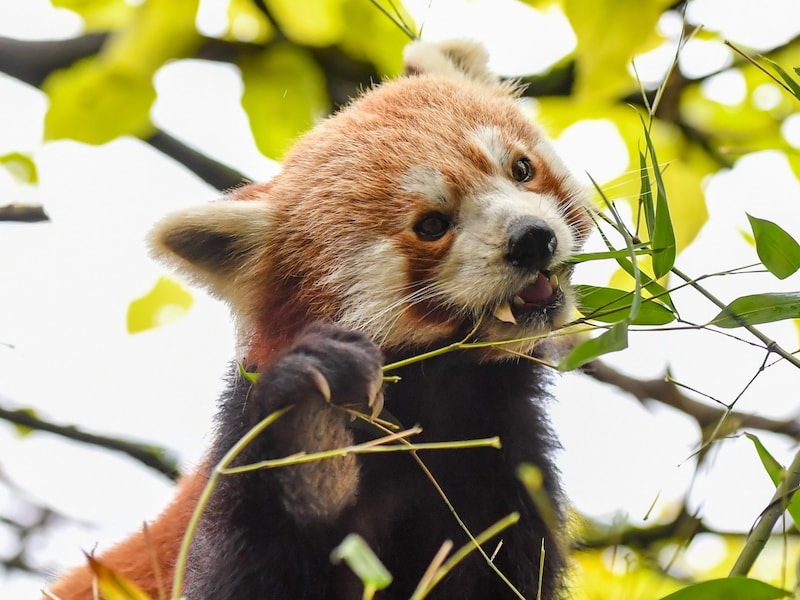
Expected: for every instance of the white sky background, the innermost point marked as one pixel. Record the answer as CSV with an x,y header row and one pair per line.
x,y
65,287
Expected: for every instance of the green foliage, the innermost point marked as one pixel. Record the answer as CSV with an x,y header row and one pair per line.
x,y
108,95
357,554
21,167
166,302
759,308
777,250
610,33
776,472
284,94
610,305
614,339
730,588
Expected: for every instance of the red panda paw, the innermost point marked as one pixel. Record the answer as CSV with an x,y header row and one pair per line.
x,y
340,366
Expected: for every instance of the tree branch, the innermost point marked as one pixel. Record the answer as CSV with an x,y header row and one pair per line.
x,y
214,173
23,213
33,61
665,392
150,456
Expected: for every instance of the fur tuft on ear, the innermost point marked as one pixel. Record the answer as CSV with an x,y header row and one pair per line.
x,y
457,59
213,243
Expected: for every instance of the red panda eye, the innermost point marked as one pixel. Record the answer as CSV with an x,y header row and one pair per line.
x,y
522,170
432,226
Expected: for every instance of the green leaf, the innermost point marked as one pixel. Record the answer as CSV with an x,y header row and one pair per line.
x,y
664,248
730,588
248,375
759,308
166,302
615,338
284,95
777,250
646,196
776,472
99,15
362,561
108,95
21,167
610,33
788,79
610,305
94,102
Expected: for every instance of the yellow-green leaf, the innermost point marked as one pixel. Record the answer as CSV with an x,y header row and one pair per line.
x,y
99,15
21,167
610,33
114,586
362,561
364,24
284,95
310,22
94,102
102,97
166,302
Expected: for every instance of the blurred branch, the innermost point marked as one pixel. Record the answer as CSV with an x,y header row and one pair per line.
x,y
150,456
214,173
684,527
666,392
23,213
33,61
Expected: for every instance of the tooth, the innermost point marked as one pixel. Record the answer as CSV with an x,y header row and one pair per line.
x,y
504,314
517,301
554,281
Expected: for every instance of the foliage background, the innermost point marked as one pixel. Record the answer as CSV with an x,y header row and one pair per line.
x,y
130,86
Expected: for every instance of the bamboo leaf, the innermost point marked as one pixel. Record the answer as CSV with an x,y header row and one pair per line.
x,y
776,472
793,85
615,338
777,250
663,239
362,561
646,196
730,588
610,305
759,308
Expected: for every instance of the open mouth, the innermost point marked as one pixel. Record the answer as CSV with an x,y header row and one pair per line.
x,y
531,301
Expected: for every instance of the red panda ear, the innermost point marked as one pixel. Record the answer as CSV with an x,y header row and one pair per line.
x,y
212,242
457,59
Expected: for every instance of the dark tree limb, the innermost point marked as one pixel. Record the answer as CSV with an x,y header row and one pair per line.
x,y
154,457
33,61
23,213
214,173
667,393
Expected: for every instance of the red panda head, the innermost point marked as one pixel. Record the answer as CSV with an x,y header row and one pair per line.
x,y
428,205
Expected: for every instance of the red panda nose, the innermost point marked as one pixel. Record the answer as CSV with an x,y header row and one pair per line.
x,y
531,243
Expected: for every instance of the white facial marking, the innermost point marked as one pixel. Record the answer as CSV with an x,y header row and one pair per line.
x,y
491,142
426,181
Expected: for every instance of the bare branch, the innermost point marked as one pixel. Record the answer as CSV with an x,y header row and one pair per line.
x,y
23,213
149,455
666,392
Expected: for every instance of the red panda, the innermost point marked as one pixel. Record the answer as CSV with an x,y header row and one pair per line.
x,y
428,211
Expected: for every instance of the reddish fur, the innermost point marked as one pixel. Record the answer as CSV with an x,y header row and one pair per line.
x,y
327,185
133,557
